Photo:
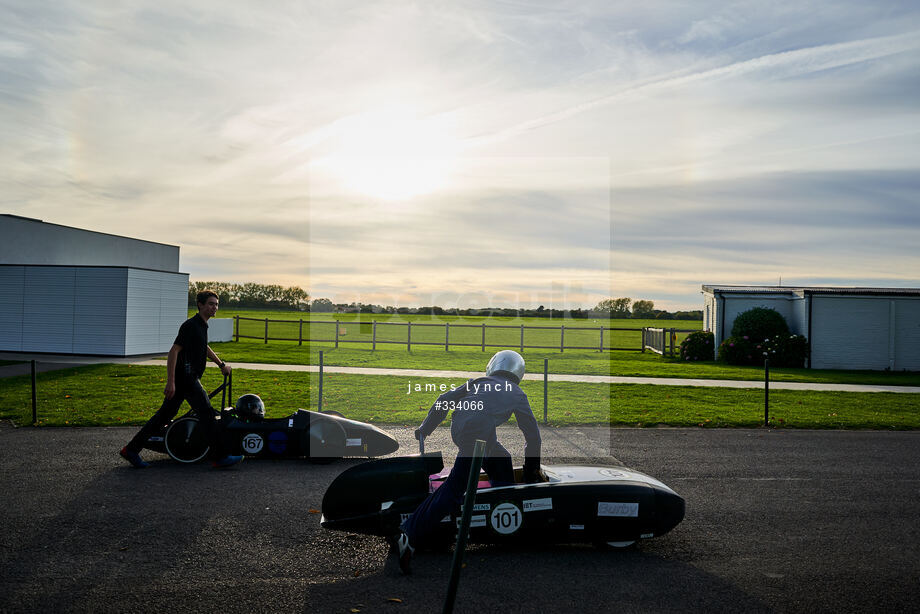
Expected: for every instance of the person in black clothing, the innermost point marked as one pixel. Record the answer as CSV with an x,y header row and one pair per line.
x,y
184,367
479,407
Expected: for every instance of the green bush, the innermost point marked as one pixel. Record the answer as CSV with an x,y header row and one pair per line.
x,y
787,350
698,346
758,324
740,351
783,350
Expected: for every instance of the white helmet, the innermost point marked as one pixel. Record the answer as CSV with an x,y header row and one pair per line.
x,y
508,361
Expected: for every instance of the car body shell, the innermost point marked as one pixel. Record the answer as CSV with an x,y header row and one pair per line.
x,y
576,503
318,436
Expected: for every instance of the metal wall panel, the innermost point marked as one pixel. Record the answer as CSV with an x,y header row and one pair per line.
x,y
12,299
47,319
849,332
907,334
99,311
156,306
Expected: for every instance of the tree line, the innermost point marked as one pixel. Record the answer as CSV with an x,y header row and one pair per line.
x,y
272,296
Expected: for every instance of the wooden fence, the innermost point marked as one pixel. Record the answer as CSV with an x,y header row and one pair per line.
x,y
374,333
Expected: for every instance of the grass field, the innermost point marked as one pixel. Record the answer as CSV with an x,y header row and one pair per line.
x,y
404,331
586,362
107,395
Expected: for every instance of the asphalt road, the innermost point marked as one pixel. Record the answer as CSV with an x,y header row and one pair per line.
x,y
776,521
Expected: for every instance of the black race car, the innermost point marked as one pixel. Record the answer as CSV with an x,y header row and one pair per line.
x,y
318,436
610,506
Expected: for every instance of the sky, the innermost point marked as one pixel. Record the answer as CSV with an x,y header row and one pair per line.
x,y
476,153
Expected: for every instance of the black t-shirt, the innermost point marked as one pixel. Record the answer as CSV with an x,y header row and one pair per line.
x,y
193,339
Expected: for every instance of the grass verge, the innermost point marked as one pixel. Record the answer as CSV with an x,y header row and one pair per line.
x,y
620,363
113,395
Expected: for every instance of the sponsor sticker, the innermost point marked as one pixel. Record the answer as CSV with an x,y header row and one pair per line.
x,y
157,438
277,442
385,505
647,535
506,518
476,521
537,505
619,510
352,443
576,527
252,443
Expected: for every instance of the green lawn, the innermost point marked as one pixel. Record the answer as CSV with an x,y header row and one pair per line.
x,y
636,364
416,331
109,395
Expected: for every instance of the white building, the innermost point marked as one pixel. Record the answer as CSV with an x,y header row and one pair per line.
x,y
846,328
65,290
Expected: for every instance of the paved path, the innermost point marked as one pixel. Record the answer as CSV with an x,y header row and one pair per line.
x,y
62,362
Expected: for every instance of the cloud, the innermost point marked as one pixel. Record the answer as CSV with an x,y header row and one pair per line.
x,y
718,140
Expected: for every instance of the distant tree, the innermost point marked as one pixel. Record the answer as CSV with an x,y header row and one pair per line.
x,y
643,309
321,305
614,307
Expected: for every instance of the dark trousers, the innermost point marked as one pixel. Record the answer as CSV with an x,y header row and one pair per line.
x,y
193,392
424,524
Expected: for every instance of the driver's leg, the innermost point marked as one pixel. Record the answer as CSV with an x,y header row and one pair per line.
x,y
498,465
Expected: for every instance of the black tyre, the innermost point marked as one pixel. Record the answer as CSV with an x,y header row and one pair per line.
x,y
185,440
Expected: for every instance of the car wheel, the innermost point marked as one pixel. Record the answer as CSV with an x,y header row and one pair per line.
x,y
185,440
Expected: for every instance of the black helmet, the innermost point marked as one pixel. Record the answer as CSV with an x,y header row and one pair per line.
x,y
250,407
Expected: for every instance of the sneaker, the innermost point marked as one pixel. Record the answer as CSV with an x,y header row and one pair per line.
x,y
133,457
405,551
227,461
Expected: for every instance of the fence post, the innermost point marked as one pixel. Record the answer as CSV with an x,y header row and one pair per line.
x,y
522,338
266,330
545,388
643,339
562,339
300,333
483,336
409,336
601,347
34,399
672,337
237,327
374,338
447,336
319,406
766,390
336,334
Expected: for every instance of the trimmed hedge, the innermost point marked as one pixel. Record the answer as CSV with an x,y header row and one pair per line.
x,y
760,324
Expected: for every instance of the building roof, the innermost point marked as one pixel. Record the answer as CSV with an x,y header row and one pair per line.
x,y
803,290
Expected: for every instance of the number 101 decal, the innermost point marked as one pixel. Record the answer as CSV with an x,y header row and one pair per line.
x,y
506,518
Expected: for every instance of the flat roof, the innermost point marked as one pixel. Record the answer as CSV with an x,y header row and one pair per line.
x,y
802,290
95,232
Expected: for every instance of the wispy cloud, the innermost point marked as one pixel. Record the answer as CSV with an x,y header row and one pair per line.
x,y
719,142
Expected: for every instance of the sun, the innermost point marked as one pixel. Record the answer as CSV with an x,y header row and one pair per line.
x,y
391,153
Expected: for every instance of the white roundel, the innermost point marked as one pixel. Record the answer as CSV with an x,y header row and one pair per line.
x,y
506,518
252,443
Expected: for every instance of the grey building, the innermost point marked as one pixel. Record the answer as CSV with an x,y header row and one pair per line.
x,y
847,328
66,290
